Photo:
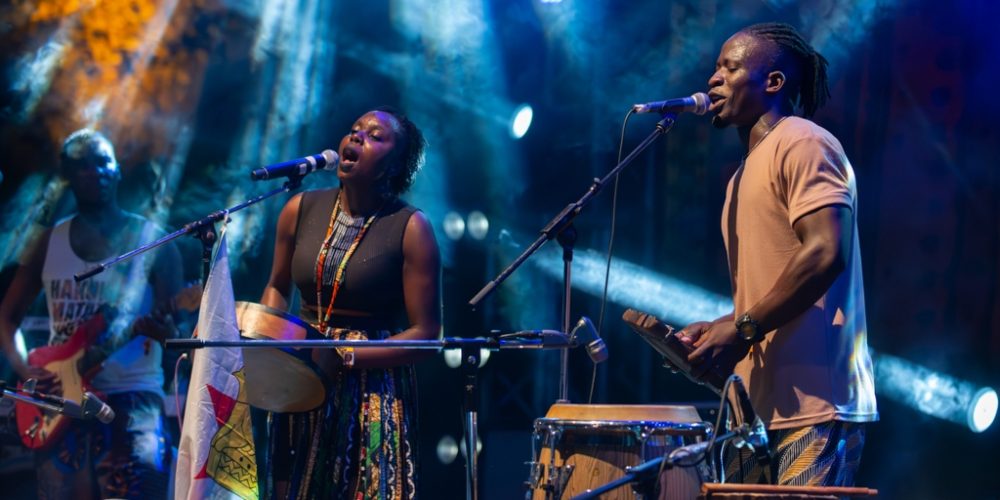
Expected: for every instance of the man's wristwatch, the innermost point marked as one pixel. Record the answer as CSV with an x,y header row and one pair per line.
x,y
749,329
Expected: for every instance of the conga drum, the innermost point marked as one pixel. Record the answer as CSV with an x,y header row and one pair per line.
x,y
283,380
577,448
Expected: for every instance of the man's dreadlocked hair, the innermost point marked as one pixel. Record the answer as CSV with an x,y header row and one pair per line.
x,y
809,85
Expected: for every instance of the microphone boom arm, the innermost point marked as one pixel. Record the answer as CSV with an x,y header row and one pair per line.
x,y
566,216
16,396
199,226
561,227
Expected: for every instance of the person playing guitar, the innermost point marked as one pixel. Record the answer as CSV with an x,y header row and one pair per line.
x,y
130,457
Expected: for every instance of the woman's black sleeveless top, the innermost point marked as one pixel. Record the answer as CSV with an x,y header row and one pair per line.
x,y
373,278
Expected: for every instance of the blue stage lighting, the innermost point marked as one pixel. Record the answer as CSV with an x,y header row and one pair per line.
x,y
910,384
454,226
632,285
447,450
521,121
19,227
934,393
478,225
984,409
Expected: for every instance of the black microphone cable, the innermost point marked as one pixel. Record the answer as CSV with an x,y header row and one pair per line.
x,y
711,440
611,243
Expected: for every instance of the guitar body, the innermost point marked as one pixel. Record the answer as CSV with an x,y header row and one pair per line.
x,y
40,429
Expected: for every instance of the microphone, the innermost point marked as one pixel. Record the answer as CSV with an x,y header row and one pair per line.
x,y
327,160
756,435
585,333
90,407
698,104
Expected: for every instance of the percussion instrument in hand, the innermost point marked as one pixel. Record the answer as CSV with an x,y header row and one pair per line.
x,y
283,380
576,448
663,338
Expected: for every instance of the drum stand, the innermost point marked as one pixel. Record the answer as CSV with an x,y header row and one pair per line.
x,y
561,227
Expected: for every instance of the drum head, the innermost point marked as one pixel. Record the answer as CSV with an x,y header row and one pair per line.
x,y
281,380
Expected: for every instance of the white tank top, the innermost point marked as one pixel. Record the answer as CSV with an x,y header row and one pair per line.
x,y
136,365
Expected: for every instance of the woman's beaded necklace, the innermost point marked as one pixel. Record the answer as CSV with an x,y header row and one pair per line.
x,y
338,278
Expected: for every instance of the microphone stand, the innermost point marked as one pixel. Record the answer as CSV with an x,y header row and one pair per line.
x,y
202,228
471,353
17,396
561,227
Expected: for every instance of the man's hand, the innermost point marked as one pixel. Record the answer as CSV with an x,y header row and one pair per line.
x,y
691,333
712,341
46,381
158,326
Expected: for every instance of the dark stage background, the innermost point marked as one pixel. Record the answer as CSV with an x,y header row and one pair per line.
x,y
195,93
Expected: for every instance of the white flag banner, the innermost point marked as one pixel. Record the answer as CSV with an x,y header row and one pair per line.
x,y
216,455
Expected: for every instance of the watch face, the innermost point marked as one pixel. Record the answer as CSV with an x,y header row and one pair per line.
x,y
748,328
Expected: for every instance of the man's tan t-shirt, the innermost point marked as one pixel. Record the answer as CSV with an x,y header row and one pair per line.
x,y
816,368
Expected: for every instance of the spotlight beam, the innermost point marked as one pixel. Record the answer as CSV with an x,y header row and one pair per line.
x,y
918,387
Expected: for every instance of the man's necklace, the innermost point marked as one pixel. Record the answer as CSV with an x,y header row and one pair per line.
x,y
769,129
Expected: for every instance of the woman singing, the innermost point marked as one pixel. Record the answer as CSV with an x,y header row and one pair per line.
x,y
367,266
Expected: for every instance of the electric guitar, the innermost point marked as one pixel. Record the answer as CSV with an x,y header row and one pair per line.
x,y
76,362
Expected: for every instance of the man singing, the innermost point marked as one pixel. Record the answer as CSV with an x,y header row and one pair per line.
x,y
789,224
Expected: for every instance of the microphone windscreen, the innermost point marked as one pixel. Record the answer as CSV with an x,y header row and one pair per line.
x,y
332,159
701,102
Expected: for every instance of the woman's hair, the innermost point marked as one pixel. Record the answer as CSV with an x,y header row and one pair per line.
x,y
411,156
809,84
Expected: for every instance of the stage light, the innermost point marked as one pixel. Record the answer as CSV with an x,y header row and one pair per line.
x,y
447,449
984,410
934,393
521,121
454,226
453,357
479,446
478,225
